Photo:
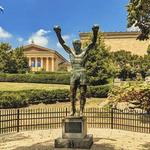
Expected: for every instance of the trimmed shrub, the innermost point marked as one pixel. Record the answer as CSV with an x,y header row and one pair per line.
x,y
48,97
98,91
13,100
16,99
51,78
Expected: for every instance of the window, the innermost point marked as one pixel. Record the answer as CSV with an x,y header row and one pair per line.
x,y
39,62
33,63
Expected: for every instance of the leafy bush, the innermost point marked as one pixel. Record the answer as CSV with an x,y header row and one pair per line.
x,y
12,60
23,98
132,94
15,99
48,97
51,78
98,91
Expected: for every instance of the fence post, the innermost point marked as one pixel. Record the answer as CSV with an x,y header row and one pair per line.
x,y
66,111
112,118
0,123
17,120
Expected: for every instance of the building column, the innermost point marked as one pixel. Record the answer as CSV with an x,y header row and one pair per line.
x,y
53,64
47,64
30,65
36,64
42,62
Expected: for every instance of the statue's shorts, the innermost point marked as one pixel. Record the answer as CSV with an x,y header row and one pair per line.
x,y
78,78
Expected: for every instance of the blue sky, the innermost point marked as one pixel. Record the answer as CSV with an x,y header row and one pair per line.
x,y
27,20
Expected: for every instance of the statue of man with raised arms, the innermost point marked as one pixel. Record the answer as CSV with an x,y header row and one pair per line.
x,y
78,75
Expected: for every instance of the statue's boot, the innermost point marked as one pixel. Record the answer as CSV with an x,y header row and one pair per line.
x,y
73,109
82,104
81,113
82,98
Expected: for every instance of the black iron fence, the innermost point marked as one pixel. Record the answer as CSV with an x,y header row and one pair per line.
x,y
15,120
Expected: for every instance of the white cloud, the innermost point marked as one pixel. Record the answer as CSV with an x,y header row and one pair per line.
x,y
39,37
65,37
4,34
133,29
20,39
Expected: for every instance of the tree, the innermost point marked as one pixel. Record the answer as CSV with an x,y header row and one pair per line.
x,y
99,64
148,50
139,15
21,61
5,48
145,65
128,64
12,60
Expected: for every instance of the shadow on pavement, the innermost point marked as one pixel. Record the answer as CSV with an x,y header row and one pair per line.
x,y
50,146
145,146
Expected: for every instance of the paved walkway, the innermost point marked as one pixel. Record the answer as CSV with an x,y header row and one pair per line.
x,y
104,139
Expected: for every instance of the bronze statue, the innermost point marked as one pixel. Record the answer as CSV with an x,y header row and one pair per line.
x,y
78,74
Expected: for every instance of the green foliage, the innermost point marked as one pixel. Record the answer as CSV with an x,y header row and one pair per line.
x,y
13,100
48,97
23,98
130,66
99,64
21,60
18,99
138,15
145,65
99,91
148,50
129,93
51,78
12,60
4,56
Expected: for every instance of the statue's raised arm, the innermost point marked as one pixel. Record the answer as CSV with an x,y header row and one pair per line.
x,y
57,30
95,30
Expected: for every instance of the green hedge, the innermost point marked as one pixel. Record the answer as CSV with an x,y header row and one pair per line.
x,y
98,91
51,78
48,77
16,99
13,100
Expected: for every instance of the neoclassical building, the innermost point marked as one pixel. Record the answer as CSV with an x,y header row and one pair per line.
x,y
122,41
44,59
41,58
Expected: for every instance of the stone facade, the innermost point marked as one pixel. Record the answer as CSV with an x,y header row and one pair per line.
x,y
122,41
44,59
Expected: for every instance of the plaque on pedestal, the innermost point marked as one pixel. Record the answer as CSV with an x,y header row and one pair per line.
x,y
74,127
74,133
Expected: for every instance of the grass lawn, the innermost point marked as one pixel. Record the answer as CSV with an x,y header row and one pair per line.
x,y
11,86
90,102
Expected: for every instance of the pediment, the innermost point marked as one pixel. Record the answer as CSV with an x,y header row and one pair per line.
x,y
36,49
33,47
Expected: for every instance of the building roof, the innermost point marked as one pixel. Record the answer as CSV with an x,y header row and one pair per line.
x,y
112,35
45,49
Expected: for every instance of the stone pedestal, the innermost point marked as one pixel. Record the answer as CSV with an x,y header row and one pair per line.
x,y
74,134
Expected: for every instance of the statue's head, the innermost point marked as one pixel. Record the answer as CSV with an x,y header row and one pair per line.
x,y
77,46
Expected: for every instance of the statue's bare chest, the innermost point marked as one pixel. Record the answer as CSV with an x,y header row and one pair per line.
x,y
76,59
